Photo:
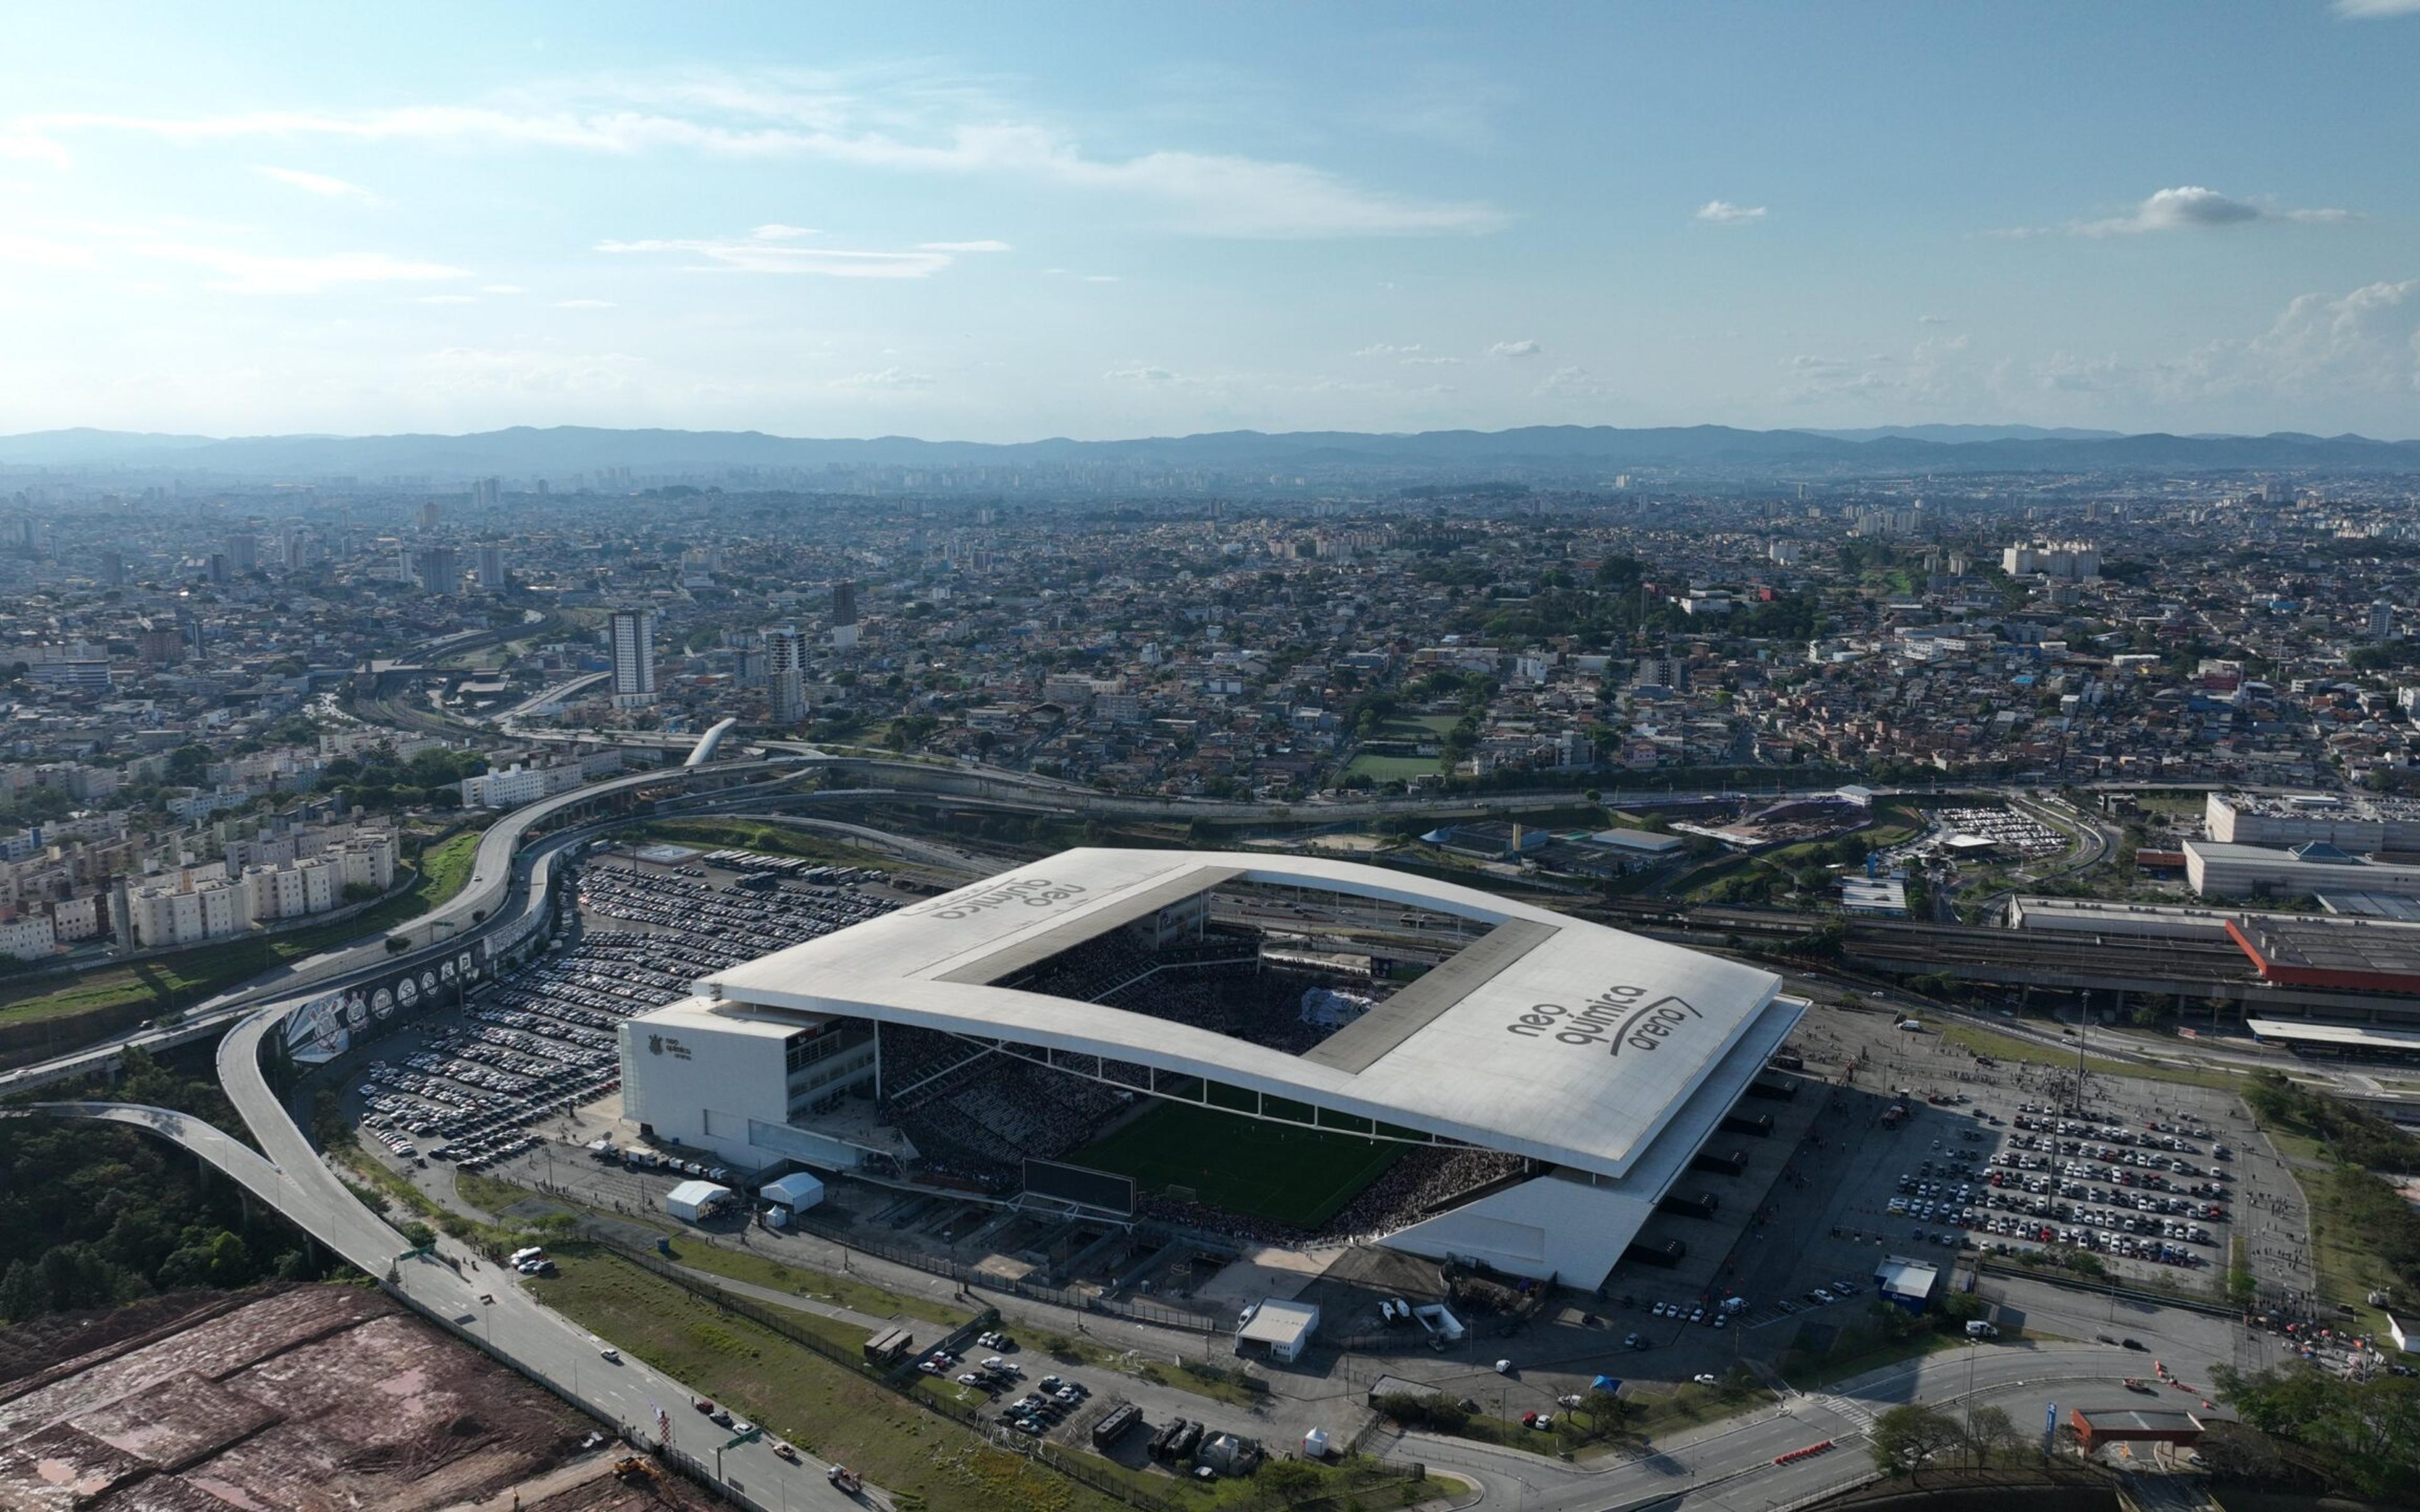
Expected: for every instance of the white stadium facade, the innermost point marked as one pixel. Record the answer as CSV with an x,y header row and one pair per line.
x,y
1554,1077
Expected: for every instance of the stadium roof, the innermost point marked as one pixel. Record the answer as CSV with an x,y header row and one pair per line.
x,y
1549,1036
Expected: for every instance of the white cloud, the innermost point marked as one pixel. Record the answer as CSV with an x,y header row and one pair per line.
x,y
1722,212
2376,9
895,129
775,248
1412,355
42,251
1103,278
251,273
585,304
446,298
29,148
2357,346
1143,375
502,289
1523,348
2192,208
1933,319
1570,382
891,378
964,246
315,183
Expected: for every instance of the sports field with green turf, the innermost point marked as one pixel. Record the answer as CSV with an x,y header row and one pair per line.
x,y
1296,1176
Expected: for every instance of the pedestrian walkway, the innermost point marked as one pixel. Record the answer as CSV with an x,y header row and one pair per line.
x,y
1856,1411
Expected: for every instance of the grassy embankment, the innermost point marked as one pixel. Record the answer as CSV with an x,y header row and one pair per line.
x,y
2008,1047
828,1410
859,1295
765,838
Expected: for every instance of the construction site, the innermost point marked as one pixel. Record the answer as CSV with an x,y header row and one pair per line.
x,y
305,1397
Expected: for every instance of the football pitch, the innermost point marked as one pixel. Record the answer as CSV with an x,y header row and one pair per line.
x,y
1296,1176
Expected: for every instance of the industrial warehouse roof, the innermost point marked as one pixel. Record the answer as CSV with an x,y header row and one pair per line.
x,y
2358,953
2368,1036
1550,1036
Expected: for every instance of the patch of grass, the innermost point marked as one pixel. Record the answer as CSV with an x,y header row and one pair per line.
x,y
817,1286
2007,1047
823,1408
1202,1378
835,1413
2347,1268
486,1192
1297,1176
699,1254
770,840
1390,768
172,982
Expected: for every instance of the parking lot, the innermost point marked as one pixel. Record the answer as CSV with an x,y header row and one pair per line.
x,y
474,1084
1932,1151
1983,1160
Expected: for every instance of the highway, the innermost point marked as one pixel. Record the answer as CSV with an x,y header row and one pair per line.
x,y
485,901
1728,1465
485,1304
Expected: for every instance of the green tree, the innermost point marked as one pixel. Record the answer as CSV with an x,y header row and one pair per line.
x,y
20,1297
1906,1438
2366,1433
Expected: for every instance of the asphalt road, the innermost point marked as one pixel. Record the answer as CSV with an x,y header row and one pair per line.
x,y
489,1303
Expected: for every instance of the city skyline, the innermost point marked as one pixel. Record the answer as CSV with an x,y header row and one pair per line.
x,y
971,226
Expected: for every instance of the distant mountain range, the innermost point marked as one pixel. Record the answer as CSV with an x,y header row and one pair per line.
x,y
1543,454
1955,434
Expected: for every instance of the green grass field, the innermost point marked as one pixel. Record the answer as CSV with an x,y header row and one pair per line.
x,y
1390,768
1296,1177
764,839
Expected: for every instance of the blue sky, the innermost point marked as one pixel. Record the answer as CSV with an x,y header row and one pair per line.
x,y
1001,221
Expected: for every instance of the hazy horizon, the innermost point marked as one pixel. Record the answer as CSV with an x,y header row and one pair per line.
x,y
1102,222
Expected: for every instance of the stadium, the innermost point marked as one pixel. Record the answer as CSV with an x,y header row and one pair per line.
x,y
1274,1048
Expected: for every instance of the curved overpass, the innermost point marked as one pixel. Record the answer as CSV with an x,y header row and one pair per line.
x,y
488,1306
710,743
501,876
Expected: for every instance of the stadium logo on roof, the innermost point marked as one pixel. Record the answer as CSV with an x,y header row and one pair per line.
x,y
1614,1018
1035,892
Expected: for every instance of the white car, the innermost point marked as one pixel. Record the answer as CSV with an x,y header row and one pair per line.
x,y
1704,1379
1503,1367
610,1355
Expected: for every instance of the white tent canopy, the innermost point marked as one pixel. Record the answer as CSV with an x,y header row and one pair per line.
x,y
799,1190
692,1200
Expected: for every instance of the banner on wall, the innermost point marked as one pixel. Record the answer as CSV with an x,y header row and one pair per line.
x,y
319,1031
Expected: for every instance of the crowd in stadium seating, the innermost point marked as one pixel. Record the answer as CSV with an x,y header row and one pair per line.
x,y
982,1114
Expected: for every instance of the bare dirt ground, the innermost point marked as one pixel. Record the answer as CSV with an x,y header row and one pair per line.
x,y
312,1396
